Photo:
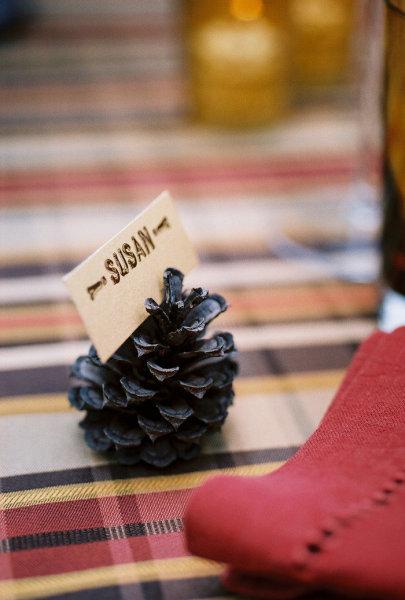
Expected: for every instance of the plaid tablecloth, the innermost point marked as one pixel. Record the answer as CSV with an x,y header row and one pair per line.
x,y
92,128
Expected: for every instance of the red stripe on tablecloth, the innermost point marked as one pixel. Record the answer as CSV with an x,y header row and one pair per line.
x,y
48,561
208,190
79,514
124,177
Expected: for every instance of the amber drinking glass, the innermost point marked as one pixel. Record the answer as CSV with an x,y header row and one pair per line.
x,y
321,34
237,61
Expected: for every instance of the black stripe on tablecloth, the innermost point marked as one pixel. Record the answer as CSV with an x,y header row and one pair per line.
x,y
174,589
71,537
9,124
63,266
113,471
16,271
254,363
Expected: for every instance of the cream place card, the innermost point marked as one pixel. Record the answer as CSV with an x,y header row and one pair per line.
x,y
109,288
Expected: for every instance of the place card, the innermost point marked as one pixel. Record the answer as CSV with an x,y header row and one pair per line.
x,y
109,288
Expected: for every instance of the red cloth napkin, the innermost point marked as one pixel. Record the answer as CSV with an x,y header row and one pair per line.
x,y
333,517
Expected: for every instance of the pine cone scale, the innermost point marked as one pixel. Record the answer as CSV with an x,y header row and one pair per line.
x,y
161,373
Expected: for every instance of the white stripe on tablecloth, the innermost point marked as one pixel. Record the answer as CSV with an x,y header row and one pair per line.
x,y
254,423
246,338
88,51
185,144
61,231
302,334
235,274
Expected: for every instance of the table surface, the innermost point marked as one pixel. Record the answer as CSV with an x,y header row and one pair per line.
x,y
92,128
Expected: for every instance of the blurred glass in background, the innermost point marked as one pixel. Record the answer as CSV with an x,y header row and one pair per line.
x,y
321,41
249,61
261,63
238,61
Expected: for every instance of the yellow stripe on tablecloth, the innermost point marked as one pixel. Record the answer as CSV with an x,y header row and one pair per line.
x,y
52,403
185,567
38,333
124,487
288,383
35,403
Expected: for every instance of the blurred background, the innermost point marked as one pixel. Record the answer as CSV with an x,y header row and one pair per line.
x,y
261,118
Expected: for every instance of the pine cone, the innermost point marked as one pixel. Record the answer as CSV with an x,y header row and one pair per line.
x,y
165,387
